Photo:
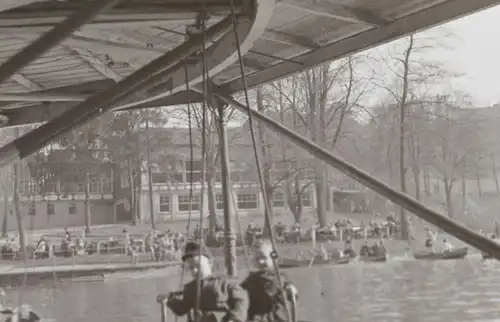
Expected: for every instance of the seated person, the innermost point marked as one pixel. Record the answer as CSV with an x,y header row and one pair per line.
x,y
268,299
382,250
323,253
348,249
365,249
374,249
447,246
429,239
218,295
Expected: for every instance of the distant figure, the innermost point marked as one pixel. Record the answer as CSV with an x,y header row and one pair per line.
x,y
447,247
430,237
365,249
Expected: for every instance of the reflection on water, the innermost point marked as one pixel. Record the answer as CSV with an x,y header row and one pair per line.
x,y
410,291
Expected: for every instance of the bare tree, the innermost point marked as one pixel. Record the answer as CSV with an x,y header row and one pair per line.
x,y
212,174
454,147
409,74
326,97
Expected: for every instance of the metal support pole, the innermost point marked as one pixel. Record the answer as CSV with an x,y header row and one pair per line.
x,y
229,236
100,102
150,177
448,225
52,38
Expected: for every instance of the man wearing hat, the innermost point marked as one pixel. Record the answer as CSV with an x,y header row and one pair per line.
x,y
218,299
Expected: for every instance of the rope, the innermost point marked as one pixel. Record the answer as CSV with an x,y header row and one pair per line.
x,y
267,215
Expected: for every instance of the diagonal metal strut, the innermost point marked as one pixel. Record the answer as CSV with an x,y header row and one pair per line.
x,y
450,226
52,38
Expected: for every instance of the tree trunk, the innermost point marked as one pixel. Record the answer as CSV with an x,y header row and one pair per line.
x,y
495,173
5,222
150,178
86,204
416,177
464,193
427,183
132,199
479,188
402,137
321,198
448,193
17,210
212,199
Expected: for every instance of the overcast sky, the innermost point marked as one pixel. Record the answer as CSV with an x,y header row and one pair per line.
x,y
477,54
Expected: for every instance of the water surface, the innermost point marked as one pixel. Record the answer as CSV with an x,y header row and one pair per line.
x,y
400,290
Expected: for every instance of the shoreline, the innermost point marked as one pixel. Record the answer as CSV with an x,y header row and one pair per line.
x,y
18,276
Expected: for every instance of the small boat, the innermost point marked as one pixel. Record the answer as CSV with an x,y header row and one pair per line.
x,y
486,256
318,260
458,253
373,258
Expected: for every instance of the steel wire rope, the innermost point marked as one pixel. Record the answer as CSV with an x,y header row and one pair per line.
x,y
267,215
191,159
203,156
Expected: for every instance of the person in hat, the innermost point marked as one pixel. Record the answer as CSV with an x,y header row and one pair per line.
x,y
268,299
218,299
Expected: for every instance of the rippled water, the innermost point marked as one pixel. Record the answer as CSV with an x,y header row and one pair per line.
x,y
400,290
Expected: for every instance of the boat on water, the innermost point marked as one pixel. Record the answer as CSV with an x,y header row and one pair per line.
x,y
486,256
458,253
374,258
317,260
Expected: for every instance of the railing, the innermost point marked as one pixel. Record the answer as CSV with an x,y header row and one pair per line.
x,y
58,187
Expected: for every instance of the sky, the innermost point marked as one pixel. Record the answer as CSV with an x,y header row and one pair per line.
x,y
476,53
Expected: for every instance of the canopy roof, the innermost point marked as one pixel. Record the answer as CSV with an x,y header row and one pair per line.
x,y
286,37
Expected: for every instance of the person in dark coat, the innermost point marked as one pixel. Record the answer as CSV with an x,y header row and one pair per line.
x,y
268,299
218,299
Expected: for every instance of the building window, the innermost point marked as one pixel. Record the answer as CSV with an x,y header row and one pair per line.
x,y
32,210
247,201
164,204
124,179
278,199
94,184
219,201
50,209
306,199
193,171
183,203
72,208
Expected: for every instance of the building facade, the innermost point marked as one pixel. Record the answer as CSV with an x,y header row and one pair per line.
x,y
117,192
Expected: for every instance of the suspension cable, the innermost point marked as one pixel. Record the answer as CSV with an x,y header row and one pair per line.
x,y
191,157
203,153
267,214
